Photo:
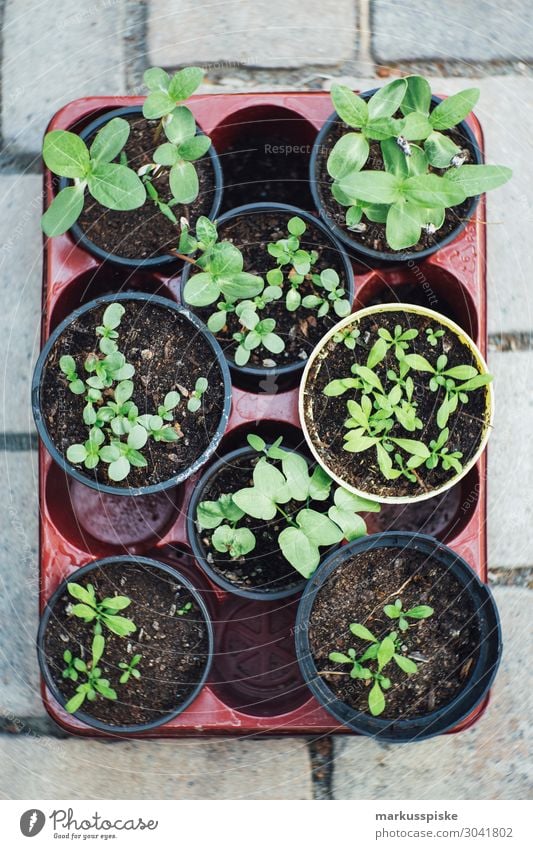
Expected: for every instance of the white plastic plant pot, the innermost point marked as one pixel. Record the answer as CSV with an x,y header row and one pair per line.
x,y
317,361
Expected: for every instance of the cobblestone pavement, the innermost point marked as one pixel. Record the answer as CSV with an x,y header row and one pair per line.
x,y
59,50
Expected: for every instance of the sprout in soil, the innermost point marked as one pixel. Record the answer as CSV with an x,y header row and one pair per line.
x,y
184,143
369,665
311,512
130,669
116,430
94,685
221,279
185,608
423,172
112,184
104,612
378,414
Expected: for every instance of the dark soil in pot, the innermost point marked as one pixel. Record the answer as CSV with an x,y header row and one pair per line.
x,y
174,648
325,416
264,568
300,330
374,235
167,354
444,646
145,232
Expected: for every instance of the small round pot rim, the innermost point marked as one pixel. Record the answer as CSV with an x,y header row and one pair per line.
x,y
290,369
388,257
483,369
192,536
482,676
48,612
159,260
40,423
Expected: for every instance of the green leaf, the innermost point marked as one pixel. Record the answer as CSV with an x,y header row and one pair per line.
x,y
376,700
195,148
273,343
421,611
157,104
116,602
166,154
120,625
386,101
352,525
356,441
75,703
431,190
66,154
349,154
418,362
201,290
156,79
183,181
185,82
392,611
296,472
98,646
113,315
225,260
417,97
476,179
349,106
383,128
119,469
123,391
296,226
395,160
64,210
440,149
319,484
413,446
299,550
406,665
241,285
371,186
80,593
181,126
83,611
404,227
76,453
385,652
454,109
362,632
256,442
461,372
110,140
349,501
318,527
338,657
116,186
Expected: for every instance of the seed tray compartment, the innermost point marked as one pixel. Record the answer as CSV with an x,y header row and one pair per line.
x,y
255,687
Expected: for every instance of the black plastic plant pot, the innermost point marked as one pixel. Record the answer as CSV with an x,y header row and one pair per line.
x,y
367,255
481,676
199,550
288,374
163,260
48,614
85,477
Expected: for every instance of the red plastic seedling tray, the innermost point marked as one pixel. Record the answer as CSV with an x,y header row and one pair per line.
x,y
255,686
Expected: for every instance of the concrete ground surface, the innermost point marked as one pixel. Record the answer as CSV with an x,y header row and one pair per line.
x,y
56,51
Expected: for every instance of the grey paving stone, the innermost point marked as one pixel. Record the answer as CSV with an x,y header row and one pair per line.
x,y
19,690
510,502
20,296
188,769
264,34
53,53
488,761
471,30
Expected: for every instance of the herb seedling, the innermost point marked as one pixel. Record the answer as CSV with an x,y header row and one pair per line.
x,y
113,185
185,608
104,612
117,432
184,145
376,413
368,667
94,685
433,336
348,336
70,670
407,195
130,669
275,491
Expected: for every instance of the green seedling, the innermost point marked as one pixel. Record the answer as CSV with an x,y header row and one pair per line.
x,y
94,685
70,670
184,144
333,295
117,432
104,612
433,336
130,669
195,401
348,336
407,195
185,608
280,478
369,665
376,411
113,185
256,332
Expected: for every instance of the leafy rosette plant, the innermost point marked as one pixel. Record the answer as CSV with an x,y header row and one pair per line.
x,y
284,487
114,185
183,144
424,171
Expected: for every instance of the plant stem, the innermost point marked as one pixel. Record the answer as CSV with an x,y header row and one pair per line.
x,y
177,254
